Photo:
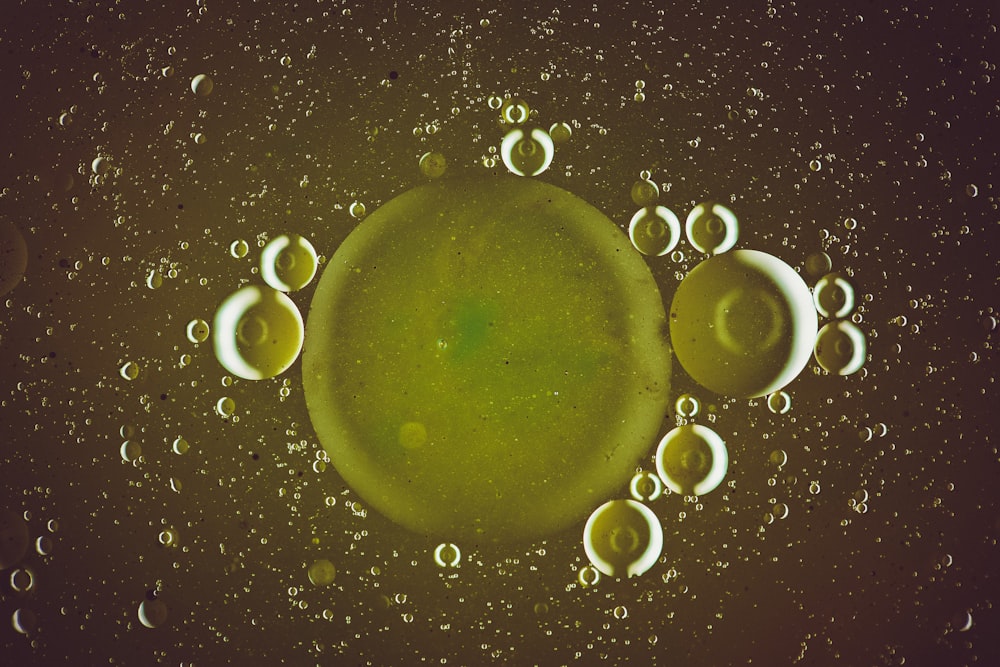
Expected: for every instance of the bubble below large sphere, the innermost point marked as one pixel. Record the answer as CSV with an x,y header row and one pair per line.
x,y
743,323
257,333
692,460
623,538
485,359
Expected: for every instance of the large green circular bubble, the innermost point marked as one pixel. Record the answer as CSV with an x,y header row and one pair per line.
x,y
743,323
486,358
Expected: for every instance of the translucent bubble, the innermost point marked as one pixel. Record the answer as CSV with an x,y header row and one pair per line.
x,y
21,580
198,331
815,165
257,333
357,210
780,511
818,264
712,228
841,348
180,446
13,256
288,262
447,554
834,296
620,612
588,576
129,370
515,112
645,193
560,133
202,85
692,460
100,165
479,309
24,621
494,102
623,538
779,402
239,248
687,406
322,573
645,486
154,279
153,613
654,230
527,155
778,458
972,190
225,407
130,451
433,164
743,323
44,545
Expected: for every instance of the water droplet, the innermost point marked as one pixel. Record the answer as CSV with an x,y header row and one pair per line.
x,y
322,573
288,262
654,230
623,538
447,555
433,164
712,228
692,460
527,155
645,193
198,331
743,323
840,348
257,333
833,296
202,85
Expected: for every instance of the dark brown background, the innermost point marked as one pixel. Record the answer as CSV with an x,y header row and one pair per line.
x,y
898,102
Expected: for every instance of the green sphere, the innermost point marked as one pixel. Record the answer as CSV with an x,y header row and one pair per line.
x,y
486,359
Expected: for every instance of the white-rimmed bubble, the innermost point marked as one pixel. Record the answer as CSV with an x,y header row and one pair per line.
x,y
654,230
834,296
841,348
24,621
560,133
198,330
743,323
433,164
21,580
712,228
527,154
588,576
130,451
180,446
692,460
645,486
153,613
202,85
257,332
687,406
239,248
645,193
447,554
322,573
623,538
515,112
779,402
288,262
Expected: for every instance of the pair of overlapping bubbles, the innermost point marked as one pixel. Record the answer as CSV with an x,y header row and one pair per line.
x,y
840,347
624,537
656,230
258,330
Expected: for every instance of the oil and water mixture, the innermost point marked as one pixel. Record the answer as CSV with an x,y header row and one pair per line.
x,y
345,333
